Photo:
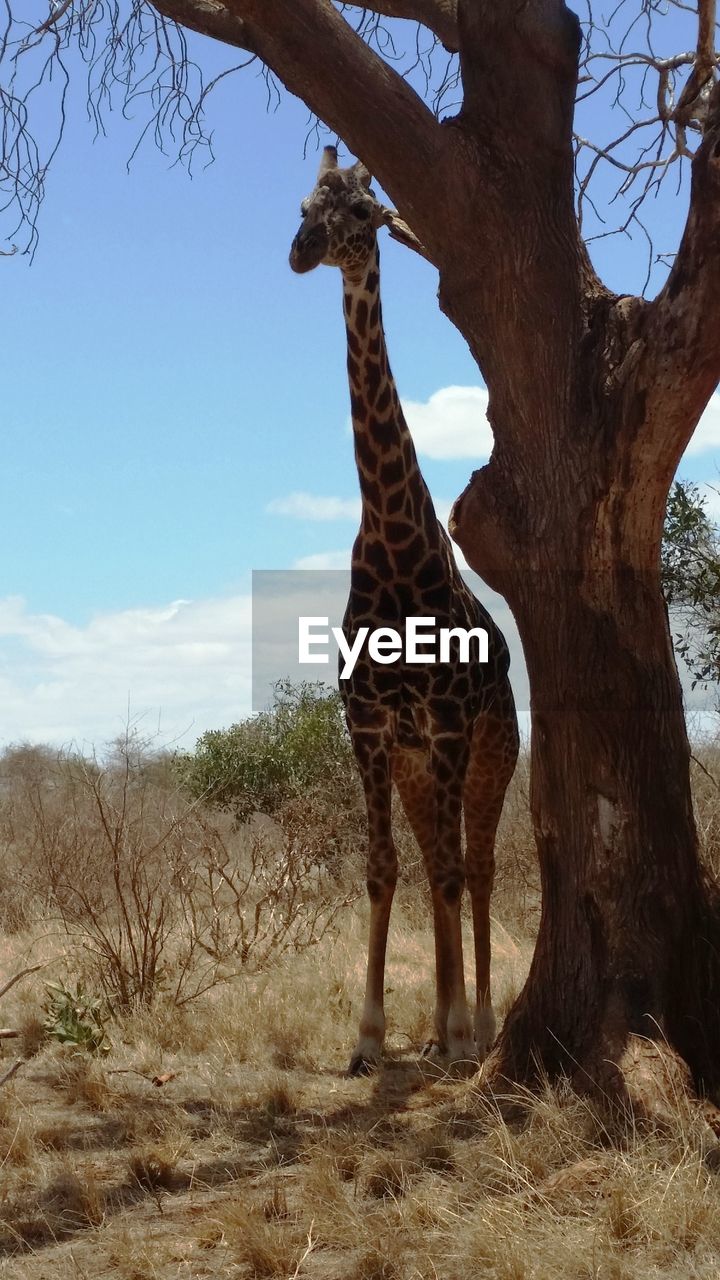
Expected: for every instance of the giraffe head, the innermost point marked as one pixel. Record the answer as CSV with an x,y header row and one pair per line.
x,y
340,219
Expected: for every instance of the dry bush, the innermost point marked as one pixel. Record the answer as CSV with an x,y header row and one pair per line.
x,y
706,797
103,849
25,771
160,894
247,903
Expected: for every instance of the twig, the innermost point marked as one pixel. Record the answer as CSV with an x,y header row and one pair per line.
x,y
158,1081
310,1246
54,18
701,766
33,968
11,1071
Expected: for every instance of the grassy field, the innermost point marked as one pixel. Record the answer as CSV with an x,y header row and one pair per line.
x,y
257,1157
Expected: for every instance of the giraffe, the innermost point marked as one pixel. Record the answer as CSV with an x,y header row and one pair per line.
x,y
446,734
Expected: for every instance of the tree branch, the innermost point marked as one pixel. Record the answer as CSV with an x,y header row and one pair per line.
x,y
439,16
54,18
376,113
208,18
705,60
664,98
23,973
11,1071
519,66
683,326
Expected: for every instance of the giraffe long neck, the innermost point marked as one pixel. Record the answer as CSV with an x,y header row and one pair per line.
x,y
391,484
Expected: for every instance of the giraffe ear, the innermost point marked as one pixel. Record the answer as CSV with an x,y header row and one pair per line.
x,y
362,173
329,161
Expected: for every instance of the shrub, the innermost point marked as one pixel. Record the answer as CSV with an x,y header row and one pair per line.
x,y
260,763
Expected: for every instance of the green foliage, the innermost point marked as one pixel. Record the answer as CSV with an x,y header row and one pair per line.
x,y
278,755
691,580
73,1017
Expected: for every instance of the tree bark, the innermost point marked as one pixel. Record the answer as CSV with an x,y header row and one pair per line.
x,y
592,400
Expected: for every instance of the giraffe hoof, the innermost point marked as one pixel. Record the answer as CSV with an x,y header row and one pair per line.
x,y
362,1066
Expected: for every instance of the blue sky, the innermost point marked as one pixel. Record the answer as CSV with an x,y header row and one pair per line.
x,y
176,414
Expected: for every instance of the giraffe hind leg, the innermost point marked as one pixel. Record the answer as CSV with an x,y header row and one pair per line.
x,y
410,768
412,776
493,755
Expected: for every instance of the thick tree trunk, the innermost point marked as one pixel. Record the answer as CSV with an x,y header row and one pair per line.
x,y
592,399
623,897
630,929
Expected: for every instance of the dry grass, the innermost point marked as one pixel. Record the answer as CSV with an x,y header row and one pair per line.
x,y
259,1158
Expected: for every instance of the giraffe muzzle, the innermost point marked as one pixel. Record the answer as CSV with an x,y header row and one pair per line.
x,y
308,248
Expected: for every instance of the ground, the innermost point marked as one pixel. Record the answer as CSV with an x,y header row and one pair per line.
x,y
260,1158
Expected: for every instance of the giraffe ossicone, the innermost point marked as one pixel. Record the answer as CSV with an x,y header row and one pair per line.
x,y
444,734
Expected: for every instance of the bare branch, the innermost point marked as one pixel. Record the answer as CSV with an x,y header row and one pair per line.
x,y
54,18
706,59
11,1071
684,320
23,973
664,99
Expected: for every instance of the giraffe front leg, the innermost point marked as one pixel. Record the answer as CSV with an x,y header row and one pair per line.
x,y
368,1049
374,763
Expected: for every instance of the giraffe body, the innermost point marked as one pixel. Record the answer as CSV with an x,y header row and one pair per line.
x,y
444,733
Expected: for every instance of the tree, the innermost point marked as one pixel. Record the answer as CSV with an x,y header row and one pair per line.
x,y
593,398
691,580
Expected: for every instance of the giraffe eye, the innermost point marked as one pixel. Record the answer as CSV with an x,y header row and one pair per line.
x,y
361,211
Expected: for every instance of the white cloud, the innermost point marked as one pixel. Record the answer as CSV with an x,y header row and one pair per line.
x,y
707,432
325,560
451,424
309,506
178,668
